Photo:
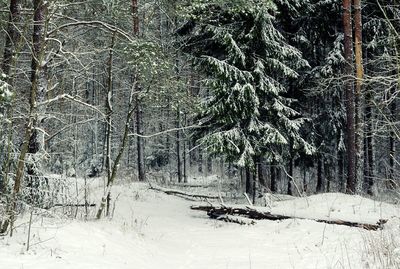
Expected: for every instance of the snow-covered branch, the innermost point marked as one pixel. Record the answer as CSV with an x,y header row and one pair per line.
x,y
71,98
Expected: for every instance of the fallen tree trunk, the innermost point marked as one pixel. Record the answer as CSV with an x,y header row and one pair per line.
x,y
253,213
74,205
236,219
181,193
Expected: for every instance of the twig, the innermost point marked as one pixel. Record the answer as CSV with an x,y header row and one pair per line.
x,y
29,230
248,199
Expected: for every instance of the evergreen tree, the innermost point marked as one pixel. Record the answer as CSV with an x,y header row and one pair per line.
x,y
246,61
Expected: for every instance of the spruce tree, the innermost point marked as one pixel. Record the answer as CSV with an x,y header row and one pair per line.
x,y
247,63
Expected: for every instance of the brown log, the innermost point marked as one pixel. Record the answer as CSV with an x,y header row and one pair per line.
x,y
253,213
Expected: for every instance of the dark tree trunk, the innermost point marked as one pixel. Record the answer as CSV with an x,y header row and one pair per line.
x,y
37,93
261,173
290,177
12,36
178,146
200,162
320,180
248,181
135,17
273,177
328,177
305,184
255,179
392,143
349,98
139,109
140,141
209,164
368,147
185,162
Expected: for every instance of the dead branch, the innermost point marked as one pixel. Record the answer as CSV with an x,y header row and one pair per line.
x,y
181,193
255,213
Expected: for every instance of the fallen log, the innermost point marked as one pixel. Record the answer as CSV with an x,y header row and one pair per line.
x,y
188,185
236,219
183,194
74,205
253,213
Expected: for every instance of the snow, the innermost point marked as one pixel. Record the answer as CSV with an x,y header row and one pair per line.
x,y
152,230
338,206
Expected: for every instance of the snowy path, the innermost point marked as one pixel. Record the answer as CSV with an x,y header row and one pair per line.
x,y
160,231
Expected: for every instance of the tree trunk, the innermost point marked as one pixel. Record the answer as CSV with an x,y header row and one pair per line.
x,y
185,162
31,143
359,81
209,164
261,173
349,96
178,147
320,180
328,177
368,146
248,181
105,201
140,140
200,161
219,212
255,178
273,177
38,94
139,109
109,119
290,177
13,38
392,143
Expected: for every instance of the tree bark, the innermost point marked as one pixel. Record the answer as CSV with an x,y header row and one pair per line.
x,y
262,173
139,109
248,180
209,164
140,140
273,177
13,38
178,146
38,94
106,198
368,146
320,180
109,109
392,144
290,177
258,214
359,81
200,161
31,143
349,96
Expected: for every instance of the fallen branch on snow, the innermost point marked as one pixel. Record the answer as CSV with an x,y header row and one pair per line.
x,y
236,219
74,205
181,193
254,213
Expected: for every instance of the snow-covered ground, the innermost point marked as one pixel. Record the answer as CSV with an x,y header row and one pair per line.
x,y
152,230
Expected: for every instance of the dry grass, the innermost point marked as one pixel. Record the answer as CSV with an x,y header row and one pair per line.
x,y
382,250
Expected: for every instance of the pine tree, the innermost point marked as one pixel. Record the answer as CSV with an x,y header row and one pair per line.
x,y
246,61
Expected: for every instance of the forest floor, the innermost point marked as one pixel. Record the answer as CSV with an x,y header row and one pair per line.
x,y
150,229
